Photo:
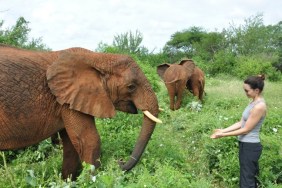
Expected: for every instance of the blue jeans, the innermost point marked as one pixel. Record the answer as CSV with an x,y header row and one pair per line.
x,y
249,154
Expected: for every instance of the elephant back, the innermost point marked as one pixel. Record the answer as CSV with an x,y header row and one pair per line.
x,y
176,72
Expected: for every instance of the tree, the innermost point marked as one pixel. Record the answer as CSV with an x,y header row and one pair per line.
x,y
127,43
183,41
276,42
194,41
17,36
251,38
211,44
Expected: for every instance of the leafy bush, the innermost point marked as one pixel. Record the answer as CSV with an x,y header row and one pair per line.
x,y
150,72
247,66
273,74
271,162
223,62
154,59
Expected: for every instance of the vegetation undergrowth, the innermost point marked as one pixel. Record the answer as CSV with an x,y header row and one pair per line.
x,y
179,153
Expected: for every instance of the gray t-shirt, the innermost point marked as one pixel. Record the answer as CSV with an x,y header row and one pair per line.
x,y
253,135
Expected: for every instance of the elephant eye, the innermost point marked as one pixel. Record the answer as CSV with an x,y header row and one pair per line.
x,y
131,87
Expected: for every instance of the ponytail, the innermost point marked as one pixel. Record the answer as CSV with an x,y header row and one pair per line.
x,y
261,76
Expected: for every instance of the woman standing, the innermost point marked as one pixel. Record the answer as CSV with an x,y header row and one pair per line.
x,y
247,130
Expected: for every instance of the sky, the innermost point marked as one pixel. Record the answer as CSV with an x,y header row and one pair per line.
x,y
85,23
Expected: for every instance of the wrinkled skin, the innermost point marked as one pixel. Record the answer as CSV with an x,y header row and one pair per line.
x,y
177,77
196,83
43,93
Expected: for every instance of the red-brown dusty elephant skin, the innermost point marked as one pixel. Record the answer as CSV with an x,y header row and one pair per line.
x,y
43,93
177,77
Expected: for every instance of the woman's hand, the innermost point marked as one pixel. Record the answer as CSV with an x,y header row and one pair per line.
x,y
217,133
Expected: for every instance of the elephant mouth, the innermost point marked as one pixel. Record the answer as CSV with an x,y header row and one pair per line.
x,y
126,106
129,107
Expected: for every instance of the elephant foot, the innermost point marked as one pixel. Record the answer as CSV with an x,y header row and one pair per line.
x,y
177,107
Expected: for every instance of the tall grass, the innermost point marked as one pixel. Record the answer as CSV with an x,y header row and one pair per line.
x,y
179,154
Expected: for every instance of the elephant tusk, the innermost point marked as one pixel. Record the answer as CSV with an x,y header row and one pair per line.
x,y
152,117
160,109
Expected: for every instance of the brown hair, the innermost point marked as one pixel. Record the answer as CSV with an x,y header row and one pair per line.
x,y
256,82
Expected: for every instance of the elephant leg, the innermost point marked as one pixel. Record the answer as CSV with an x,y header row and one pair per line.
x,y
198,90
84,136
201,95
201,92
172,102
180,91
178,101
55,139
172,94
71,161
195,87
196,93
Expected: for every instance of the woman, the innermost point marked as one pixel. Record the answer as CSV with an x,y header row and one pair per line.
x,y
247,130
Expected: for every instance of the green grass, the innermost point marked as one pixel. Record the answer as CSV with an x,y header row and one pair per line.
x,y
179,154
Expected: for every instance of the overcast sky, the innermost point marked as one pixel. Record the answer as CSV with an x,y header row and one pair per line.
x,y
85,23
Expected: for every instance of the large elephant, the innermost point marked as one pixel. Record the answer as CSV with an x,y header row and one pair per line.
x,y
177,77
43,93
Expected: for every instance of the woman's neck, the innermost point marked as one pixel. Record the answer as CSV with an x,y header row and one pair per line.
x,y
256,98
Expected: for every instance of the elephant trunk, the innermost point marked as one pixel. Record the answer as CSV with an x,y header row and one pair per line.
x,y
146,102
144,137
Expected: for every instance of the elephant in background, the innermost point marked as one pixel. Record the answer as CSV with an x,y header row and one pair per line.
x,y
177,77
43,93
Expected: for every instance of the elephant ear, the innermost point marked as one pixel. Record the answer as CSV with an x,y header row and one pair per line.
x,y
189,65
161,69
75,82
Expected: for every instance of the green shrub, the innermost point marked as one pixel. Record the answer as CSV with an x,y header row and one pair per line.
x,y
273,74
247,66
155,59
271,162
151,74
223,62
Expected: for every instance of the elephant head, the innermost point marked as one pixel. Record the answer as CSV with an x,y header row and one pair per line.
x,y
98,84
63,91
176,78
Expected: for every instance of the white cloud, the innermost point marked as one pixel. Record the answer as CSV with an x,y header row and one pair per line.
x,y
68,23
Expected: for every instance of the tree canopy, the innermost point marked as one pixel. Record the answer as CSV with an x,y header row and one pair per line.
x,y
249,39
128,43
18,36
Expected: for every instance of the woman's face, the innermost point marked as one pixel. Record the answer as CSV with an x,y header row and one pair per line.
x,y
251,93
